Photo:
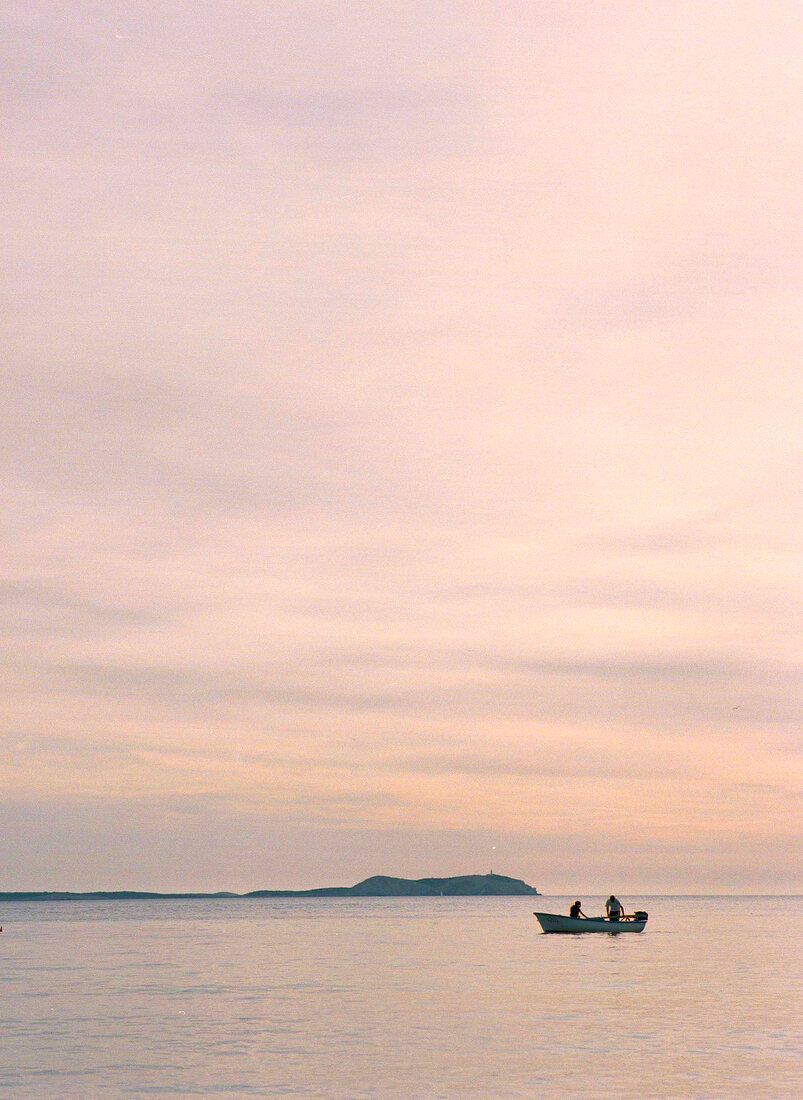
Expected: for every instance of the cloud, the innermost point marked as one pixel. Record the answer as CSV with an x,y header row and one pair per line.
x,y
387,397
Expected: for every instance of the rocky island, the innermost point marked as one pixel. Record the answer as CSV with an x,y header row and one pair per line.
x,y
378,886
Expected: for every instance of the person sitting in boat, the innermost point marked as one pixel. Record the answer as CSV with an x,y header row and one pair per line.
x,y
613,907
575,911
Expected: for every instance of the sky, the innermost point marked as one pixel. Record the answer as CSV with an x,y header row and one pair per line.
x,y
401,463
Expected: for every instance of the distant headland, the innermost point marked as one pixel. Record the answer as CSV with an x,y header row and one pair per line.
x,y
378,886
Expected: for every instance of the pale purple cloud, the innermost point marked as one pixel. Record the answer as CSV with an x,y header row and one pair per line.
x,y
399,403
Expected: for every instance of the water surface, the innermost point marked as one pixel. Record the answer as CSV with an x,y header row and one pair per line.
x,y
412,997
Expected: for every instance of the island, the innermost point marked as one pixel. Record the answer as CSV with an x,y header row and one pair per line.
x,y
381,886
378,886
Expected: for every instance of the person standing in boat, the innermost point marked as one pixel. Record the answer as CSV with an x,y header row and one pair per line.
x,y
613,907
575,911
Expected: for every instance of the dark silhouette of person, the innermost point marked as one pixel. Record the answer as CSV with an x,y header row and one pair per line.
x,y
575,911
613,907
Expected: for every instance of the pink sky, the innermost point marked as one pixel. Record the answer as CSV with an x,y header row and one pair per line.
x,y
401,444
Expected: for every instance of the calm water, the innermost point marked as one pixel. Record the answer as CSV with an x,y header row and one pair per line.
x,y
415,997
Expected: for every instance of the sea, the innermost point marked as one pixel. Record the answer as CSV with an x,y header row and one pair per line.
x,y
399,997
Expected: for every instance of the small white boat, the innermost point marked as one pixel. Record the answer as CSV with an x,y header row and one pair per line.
x,y
556,922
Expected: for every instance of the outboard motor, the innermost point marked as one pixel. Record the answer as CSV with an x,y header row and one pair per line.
x,y
640,914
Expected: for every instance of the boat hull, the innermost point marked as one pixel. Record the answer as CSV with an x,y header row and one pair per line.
x,y
556,922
